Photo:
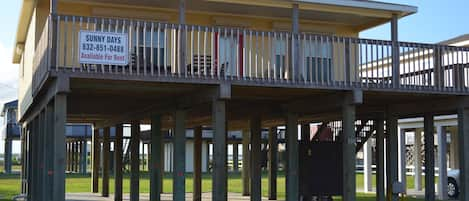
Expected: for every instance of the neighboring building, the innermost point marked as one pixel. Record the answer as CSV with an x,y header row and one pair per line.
x,y
228,65
10,130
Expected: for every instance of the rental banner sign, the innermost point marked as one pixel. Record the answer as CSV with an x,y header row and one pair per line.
x,y
103,48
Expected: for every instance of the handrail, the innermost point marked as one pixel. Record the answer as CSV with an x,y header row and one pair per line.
x,y
246,55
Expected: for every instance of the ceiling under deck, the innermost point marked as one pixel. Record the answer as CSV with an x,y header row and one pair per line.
x,y
107,101
360,18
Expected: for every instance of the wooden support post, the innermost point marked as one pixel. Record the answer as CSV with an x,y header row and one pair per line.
x,y
197,193
219,176
235,157
348,152
256,174
380,195
58,172
395,52
392,150
49,150
179,156
442,167
84,155
246,163
292,183
273,149
402,158
106,152
417,159
75,156
134,161
118,162
7,156
429,137
463,132
95,154
156,168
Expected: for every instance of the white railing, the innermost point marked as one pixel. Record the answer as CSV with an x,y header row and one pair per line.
x,y
223,53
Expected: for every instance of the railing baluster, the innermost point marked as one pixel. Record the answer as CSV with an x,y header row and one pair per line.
x,y
191,62
159,62
152,59
144,48
198,52
73,32
65,41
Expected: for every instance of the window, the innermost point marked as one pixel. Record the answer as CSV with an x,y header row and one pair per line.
x,y
317,66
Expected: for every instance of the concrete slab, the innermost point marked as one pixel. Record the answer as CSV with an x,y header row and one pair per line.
x,y
145,197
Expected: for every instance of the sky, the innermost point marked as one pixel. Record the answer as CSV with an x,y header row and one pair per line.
x,y
436,20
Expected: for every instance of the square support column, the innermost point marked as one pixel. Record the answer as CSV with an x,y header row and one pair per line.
x,y
454,151
156,167
463,132
418,159
443,171
395,51
256,173
380,167
7,156
84,155
235,157
292,182
106,152
392,150
429,137
219,175
95,156
402,158
135,161
273,163
197,193
348,152
118,162
245,174
57,174
367,170
179,156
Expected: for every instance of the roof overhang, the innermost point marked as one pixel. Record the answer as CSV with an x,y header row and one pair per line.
x,y
23,23
359,14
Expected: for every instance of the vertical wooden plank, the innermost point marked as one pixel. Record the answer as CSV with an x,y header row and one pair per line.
x,y
256,174
118,162
197,193
134,161
392,150
179,156
429,136
273,163
105,171
246,163
348,152
219,176
60,119
292,183
95,154
156,168
380,195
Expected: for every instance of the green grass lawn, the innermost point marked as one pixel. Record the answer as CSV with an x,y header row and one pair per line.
x,y
10,185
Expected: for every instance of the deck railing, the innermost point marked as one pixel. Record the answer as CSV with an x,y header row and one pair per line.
x,y
263,57
41,59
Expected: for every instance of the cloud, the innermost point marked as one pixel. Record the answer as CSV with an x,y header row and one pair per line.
x,y
9,74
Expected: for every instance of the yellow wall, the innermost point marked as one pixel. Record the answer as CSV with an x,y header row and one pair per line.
x,y
25,80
